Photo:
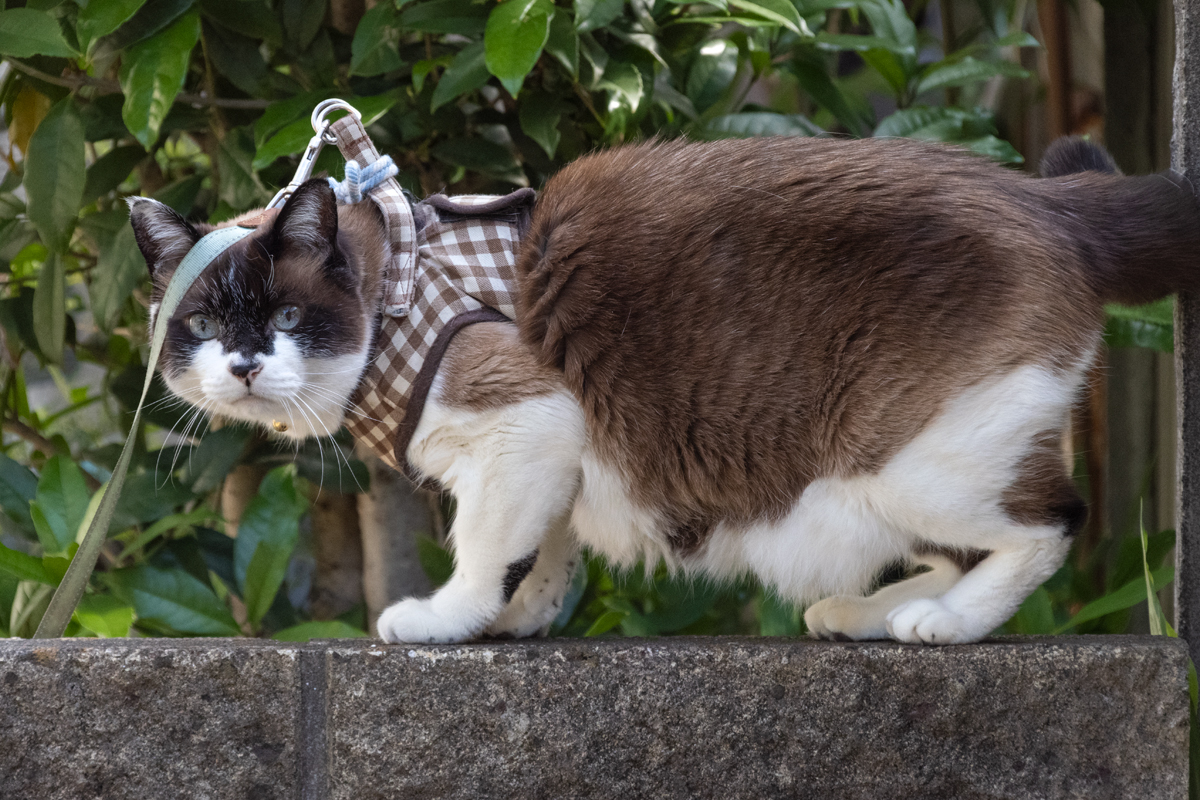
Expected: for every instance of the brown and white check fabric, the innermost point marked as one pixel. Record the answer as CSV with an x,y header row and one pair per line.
x,y
450,257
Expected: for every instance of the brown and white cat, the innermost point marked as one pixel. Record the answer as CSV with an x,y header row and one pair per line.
x,y
806,359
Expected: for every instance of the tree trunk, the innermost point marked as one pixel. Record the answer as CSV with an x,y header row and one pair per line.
x,y
337,546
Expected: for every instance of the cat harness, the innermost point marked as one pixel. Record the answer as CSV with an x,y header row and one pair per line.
x,y
453,264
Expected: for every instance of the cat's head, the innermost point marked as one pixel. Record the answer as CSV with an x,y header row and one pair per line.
x,y
279,327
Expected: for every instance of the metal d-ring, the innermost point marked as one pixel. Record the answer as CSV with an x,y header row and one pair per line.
x,y
320,123
322,112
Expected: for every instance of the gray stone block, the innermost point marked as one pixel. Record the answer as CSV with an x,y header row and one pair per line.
x,y
728,718
164,718
1087,717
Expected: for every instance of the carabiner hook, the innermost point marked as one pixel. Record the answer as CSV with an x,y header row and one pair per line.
x,y
320,123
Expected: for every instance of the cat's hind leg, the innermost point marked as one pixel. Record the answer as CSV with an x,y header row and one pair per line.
x,y
853,618
513,471
535,600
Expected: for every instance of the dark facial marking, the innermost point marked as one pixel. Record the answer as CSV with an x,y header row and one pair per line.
x,y
517,571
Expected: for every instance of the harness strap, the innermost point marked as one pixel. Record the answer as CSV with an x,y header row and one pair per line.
x,y
400,275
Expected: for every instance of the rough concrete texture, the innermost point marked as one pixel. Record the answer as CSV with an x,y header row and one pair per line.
x,y
1185,157
689,718
1083,717
129,719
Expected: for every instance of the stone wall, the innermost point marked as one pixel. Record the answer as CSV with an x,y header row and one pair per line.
x,y
670,718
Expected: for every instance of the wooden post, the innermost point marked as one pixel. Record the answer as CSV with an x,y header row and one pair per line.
x,y
1185,158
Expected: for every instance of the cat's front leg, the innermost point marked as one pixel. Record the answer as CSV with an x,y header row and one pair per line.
x,y
513,471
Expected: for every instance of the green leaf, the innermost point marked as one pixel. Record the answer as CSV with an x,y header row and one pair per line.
x,y
462,17
104,615
710,75
240,187
466,73
779,11
102,18
24,566
152,74
181,195
820,87
119,270
1151,326
606,622
563,43
289,140
995,148
968,70
1158,620
592,15
539,115
517,31
264,576
758,123
890,20
479,155
301,21
63,498
238,58
333,629
285,112
202,515
374,49
218,453
55,174
624,82
50,308
837,42
17,487
436,560
271,518
1127,596
174,599
110,170
1017,39
252,18
25,33
150,19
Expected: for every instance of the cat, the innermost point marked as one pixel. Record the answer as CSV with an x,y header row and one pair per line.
x,y
805,359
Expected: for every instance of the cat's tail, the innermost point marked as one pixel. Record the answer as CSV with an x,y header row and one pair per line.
x,y
1137,237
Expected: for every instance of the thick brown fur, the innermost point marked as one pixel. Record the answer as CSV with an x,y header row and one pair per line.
x,y
740,318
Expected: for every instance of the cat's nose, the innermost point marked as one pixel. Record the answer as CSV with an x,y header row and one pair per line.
x,y
246,370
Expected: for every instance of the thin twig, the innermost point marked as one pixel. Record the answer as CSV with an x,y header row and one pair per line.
x,y
104,86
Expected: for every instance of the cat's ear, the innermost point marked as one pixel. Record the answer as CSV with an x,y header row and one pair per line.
x,y
162,235
308,222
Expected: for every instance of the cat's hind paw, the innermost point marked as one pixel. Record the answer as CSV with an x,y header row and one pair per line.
x,y
415,621
845,618
925,621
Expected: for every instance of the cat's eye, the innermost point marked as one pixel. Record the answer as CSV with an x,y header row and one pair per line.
x,y
285,318
202,327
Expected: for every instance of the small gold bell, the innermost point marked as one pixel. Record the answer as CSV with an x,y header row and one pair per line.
x,y
279,426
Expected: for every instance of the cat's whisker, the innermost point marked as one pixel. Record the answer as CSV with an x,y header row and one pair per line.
x,y
337,450
318,419
346,406
320,448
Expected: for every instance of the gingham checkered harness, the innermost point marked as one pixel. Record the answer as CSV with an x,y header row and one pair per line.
x,y
453,264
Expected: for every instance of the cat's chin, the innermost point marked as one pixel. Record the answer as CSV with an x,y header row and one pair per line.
x,y
279,417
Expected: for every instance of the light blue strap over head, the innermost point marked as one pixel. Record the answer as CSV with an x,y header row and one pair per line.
x,y
66,596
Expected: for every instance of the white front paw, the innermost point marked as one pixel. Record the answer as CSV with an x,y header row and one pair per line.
x,y
926,621
415,621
